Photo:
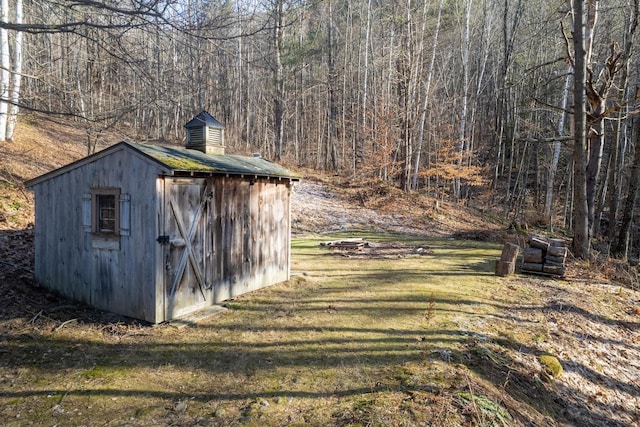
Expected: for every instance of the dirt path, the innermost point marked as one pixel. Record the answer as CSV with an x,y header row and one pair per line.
x,y
316,209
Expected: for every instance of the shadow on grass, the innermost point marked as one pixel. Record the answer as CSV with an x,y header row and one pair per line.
x,y
489,362
265,331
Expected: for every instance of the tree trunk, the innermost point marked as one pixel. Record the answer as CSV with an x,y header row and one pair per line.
x,y
427,90
405,72
553,168
581,243
465,101
16,75
595,151
621,249
359,159
5,61
332,155
278,99
620,140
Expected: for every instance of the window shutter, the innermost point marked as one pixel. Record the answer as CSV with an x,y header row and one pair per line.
x,y
86,212
125,214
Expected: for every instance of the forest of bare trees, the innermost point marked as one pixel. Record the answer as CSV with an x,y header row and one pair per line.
x,y
465,100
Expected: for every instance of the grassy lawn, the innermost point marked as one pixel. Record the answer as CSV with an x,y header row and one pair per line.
x,y
346,341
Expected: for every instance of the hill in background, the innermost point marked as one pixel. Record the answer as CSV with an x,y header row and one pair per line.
x,y
321,203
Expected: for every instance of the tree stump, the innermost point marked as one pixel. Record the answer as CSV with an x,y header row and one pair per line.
x,y
506,265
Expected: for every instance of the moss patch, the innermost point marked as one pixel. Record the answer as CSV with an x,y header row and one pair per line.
x,y
551,365
184,164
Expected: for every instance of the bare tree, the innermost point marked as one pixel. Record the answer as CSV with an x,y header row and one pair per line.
x,y
5,65
16,74
621,247
581,241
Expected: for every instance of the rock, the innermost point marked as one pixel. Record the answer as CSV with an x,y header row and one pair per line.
x,y
57,410
220,412
181,407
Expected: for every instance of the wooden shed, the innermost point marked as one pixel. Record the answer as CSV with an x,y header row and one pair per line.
x,y
155,233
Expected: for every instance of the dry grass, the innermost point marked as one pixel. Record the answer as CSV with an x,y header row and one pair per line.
x,y
434,340
345,342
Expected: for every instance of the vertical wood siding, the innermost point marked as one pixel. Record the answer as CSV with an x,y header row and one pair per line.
x,y
122,281
253,235
247,240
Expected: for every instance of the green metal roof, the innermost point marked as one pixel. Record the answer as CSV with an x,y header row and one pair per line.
x,y
182,159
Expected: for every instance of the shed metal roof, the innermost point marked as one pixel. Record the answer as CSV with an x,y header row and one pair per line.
x,y
182,161
186,160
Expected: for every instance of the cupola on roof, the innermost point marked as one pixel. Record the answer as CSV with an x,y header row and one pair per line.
x,y
204,119
206,134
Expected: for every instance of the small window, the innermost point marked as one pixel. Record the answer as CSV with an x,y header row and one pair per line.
x,y
105,218
106,213
106,209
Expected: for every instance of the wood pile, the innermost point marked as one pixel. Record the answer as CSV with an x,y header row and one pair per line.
x,y
506,264
355,243
545,256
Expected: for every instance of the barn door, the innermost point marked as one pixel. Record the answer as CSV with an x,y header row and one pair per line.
x,y
187,282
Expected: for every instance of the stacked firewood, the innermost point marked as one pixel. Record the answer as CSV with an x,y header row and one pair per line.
x,y
545,256
506,264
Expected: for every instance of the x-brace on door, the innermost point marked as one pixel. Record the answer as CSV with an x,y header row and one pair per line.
x,y
187,207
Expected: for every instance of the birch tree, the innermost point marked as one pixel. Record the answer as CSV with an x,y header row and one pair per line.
x,y
332,155
5,65
557,147
362,137
465,99
621,247
16,75
426,88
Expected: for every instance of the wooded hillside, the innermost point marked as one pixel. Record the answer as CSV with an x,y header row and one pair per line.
x,y
456,99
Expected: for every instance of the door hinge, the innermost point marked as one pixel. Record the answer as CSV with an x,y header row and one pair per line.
x,y
163,240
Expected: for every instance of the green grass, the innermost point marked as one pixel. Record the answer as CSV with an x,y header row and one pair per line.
x,y
345,342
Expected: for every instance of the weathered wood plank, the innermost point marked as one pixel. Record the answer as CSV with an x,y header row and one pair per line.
x,y
242,241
